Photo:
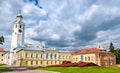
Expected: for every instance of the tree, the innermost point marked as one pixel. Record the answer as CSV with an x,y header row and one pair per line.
x,y
2,40
117,53
111,48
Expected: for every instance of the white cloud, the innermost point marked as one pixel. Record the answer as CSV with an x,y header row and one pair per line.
x,y
59,20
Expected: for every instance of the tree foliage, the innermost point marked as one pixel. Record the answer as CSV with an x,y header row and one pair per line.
x,y
2,40
111,47
116,52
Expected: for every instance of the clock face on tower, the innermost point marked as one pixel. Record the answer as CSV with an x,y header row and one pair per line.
x,y
20,30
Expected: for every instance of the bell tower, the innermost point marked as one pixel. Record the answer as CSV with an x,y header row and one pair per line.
x,y
17,36
18,32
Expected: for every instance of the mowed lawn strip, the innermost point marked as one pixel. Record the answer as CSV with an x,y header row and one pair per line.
x,y
3,68
82,69
2,64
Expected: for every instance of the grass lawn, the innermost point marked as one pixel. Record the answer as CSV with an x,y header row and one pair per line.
x,y
2,64
4,69
83,69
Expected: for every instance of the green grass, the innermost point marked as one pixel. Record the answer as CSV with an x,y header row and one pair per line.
x,y
2,64
4,69
83,69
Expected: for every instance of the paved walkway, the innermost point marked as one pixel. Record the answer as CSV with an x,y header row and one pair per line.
x,y
118,65
31,71
25,70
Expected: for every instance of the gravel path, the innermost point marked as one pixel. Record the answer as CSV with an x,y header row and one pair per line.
x,y
25,70
31,71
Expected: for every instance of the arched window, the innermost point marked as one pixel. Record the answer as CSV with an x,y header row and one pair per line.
x,y
20,26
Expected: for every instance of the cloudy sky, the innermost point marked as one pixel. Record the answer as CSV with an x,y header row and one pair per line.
x,y
73,24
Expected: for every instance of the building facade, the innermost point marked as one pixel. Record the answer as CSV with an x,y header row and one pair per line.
x,y
28,57
2,56
97,56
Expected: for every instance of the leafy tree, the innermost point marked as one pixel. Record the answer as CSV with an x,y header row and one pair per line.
x,y
111,48
117,53
2,40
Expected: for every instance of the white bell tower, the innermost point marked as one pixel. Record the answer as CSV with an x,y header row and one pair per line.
x,y
17,37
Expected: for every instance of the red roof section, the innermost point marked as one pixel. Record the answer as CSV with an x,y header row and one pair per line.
x,y
1,49
89,50
79,64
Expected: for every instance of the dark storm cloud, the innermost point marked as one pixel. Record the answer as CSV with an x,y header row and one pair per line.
x,y
88,33
53,43
63,23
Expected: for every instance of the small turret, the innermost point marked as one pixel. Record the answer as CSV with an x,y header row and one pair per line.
x,y
40,45
100,47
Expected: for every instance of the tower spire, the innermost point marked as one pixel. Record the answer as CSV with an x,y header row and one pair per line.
x,y
19,14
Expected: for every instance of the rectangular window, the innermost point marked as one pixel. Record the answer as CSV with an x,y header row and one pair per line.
x,y
26,55
31,62
36,55
16,26
46,55
81,57
51,62
41,55
85,58
69,57
41,62
31,55
36,62
47,63
76,59
26,62
88,58
59,56
20,26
